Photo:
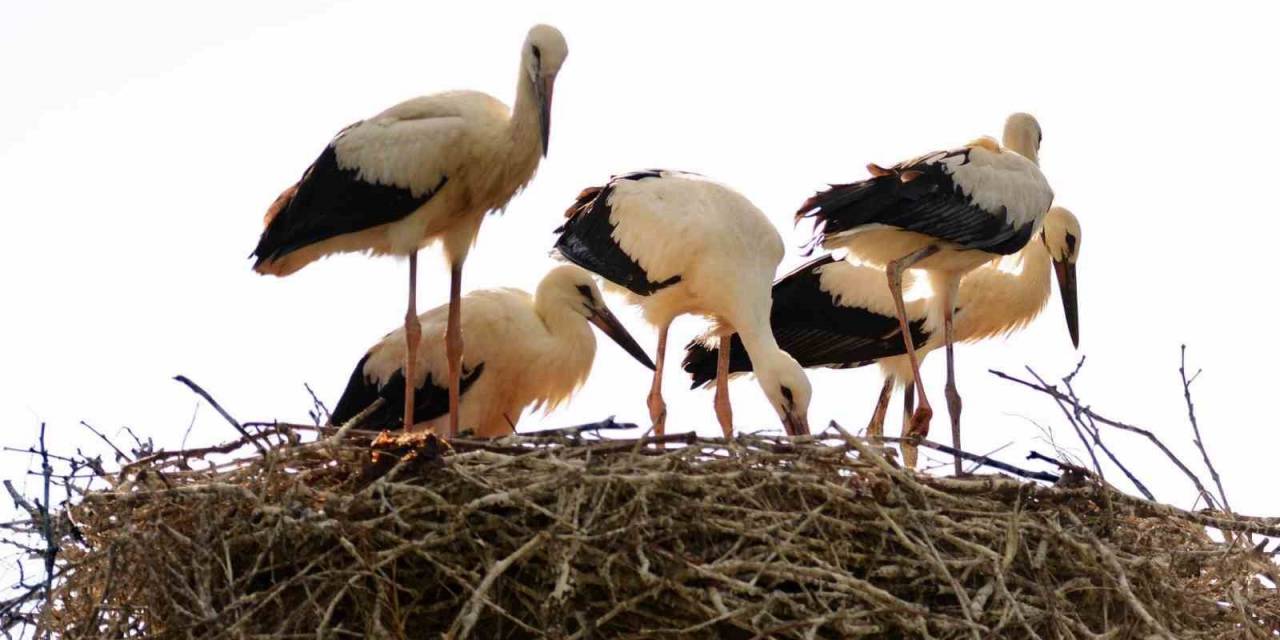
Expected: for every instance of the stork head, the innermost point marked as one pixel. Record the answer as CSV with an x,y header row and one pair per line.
x,y
544,53
1022,134
1061,236
573,288
788,390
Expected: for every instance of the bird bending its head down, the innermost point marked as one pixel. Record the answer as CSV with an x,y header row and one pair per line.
x,y
787,387
544,52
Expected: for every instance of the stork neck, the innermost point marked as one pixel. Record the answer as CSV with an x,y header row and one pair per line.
x,y
993,301
526,130
1020,142
559,318
760,344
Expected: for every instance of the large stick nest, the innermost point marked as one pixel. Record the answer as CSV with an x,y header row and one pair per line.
x,y
572,538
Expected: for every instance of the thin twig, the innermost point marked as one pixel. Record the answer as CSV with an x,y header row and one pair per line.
x,y
1195,426
120,455
608,424
1075,424
321,411
46,527
980,459
223,412
1088,411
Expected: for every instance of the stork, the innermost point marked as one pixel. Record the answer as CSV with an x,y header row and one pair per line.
x,y
945,213
834,314
425,170
677,243
522,350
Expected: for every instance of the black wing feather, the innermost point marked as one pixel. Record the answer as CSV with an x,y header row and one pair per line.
x,y
430,400
586,239
330,201
918,196
817,332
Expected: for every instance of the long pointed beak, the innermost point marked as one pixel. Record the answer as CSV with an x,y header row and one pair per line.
x,y
546,86
1066,272
795,425
610,326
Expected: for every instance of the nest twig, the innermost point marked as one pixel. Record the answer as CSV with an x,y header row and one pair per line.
x,y
562,536
334,532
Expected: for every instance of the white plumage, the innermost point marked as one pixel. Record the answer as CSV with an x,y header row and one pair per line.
x,y
425,170
945,213
832,313
523,350
997,299
678,243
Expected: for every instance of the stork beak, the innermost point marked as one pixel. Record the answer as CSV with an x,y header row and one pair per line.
x,y
545,87
1066,272
795,424
610,326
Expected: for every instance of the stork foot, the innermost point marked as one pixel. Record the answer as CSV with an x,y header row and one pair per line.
x,y
658,414
920,423
909,454
918,429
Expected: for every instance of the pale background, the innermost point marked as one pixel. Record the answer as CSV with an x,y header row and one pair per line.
x,y
142,141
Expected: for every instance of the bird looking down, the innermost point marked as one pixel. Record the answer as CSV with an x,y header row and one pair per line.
x,y
523,350
833,314
677,243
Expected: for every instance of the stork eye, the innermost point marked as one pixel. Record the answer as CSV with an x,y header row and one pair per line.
x,y
786,393
585,291
537,53
1071,244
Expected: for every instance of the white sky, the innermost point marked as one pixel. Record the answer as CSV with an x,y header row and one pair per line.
x,y
141,142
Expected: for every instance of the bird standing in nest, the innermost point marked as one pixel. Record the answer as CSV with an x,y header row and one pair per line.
x,y
833,314
679,243
945,213
524,350
425,170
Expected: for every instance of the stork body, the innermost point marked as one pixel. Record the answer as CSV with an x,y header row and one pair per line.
x,y
425,170
523,350
830,313
677,243
945,213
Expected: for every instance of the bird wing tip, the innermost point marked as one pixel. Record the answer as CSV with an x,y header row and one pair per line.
x,y
585,197
279,204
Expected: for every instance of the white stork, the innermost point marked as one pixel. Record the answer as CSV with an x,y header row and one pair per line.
x,y
424,170
521,350
679,243
834,314
945,213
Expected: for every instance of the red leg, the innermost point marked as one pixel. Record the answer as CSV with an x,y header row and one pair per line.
x,y
953,396
724,412
875,429
658,408
908,406
453,346
920,420
412,337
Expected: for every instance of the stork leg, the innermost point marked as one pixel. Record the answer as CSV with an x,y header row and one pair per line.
x,y
412,337
724,412
875,429
908,406
920,419
953,396
453,346
658,408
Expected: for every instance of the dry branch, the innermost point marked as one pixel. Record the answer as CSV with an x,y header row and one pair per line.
x,y
561,536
